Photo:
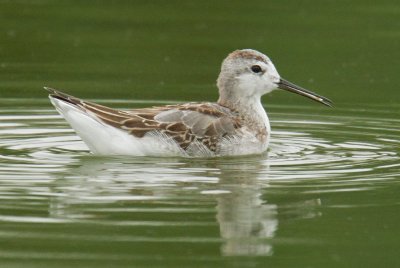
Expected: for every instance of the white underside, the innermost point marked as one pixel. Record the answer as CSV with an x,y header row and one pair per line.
x,y
103,139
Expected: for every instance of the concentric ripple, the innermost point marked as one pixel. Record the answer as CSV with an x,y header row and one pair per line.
x,y
343,146
39,140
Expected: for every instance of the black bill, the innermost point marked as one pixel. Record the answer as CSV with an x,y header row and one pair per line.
x,y
286,85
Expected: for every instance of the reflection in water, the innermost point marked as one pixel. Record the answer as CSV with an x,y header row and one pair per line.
x,y
247,223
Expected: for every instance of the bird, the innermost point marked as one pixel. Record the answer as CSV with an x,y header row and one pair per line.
x,y
236,124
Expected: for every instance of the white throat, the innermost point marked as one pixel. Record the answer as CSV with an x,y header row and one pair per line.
x,y
249,107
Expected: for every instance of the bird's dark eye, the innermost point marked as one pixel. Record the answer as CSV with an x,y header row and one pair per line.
x,y
256,68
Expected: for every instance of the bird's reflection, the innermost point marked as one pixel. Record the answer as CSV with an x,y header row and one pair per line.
x,y
247,222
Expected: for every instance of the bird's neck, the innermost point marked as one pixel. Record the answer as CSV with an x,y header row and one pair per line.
x,y
248,108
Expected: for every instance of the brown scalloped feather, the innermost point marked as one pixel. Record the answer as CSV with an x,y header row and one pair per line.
x,y
184,123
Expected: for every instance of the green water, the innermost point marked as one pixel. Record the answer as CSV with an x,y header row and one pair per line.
x,y
324,195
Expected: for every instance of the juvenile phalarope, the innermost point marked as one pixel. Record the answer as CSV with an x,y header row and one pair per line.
x,y
236,125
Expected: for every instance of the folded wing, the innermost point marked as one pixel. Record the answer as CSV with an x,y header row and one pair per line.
x,y
204,123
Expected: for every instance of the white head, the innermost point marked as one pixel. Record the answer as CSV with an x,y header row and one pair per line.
x,y
248,74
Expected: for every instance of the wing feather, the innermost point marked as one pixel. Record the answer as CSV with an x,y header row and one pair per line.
x,y
201,123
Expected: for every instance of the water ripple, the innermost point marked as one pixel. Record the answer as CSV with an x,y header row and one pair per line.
x,y
43,157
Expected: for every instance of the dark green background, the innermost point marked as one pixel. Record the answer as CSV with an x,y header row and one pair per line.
x,y
347,50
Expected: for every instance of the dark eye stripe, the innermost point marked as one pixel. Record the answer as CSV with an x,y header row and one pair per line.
x,y
256,68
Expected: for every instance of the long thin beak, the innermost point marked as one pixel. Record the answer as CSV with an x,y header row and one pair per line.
x,y
286,85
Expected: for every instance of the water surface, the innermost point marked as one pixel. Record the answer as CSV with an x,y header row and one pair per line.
x,y
324,194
